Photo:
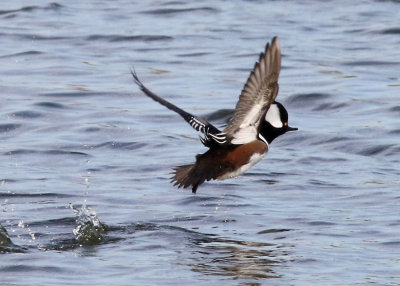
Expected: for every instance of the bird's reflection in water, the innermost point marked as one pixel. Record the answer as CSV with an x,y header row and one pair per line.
x,y
236,259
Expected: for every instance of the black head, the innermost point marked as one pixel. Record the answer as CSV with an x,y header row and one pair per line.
x,y
275,122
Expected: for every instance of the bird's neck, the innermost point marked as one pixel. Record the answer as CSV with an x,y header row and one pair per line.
x,y
269,132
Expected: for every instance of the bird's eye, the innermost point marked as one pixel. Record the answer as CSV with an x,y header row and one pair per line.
x,y
286,124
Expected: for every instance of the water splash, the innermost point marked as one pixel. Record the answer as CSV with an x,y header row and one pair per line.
x,y
6,245
4,237
89,230
23,225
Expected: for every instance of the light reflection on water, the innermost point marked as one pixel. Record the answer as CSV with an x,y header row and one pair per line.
x,y
321,208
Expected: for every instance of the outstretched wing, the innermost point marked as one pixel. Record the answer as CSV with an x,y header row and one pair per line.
x,y
212,135
257,95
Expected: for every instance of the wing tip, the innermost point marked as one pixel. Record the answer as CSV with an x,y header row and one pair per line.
x,y
274,48
275,42
135,77
265,73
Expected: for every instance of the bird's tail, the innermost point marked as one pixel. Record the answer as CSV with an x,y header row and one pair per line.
x,y
184,177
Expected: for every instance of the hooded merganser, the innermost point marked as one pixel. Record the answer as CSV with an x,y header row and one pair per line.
x,y
258,119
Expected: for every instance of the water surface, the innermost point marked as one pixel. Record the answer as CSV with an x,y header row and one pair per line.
x,y
86,157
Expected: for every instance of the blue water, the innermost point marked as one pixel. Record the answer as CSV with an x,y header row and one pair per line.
x,y
85,197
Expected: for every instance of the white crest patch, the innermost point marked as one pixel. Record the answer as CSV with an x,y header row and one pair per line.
x,y
273,116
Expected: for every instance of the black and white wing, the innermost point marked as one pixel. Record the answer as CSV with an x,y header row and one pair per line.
x,y
256,97
212,135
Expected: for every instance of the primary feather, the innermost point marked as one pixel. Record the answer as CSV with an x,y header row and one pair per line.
x,y
256,97
212,135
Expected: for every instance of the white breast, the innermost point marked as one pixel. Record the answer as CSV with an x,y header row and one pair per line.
x,y
254,159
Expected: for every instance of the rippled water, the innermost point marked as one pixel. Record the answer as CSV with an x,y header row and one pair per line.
x,y
86,158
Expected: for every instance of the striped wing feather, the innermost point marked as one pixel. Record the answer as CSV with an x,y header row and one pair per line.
x,y
212,135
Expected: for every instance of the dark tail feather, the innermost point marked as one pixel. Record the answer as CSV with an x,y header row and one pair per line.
x,y
184,177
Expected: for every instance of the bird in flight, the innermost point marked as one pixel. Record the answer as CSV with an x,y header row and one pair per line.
x,y
257,120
